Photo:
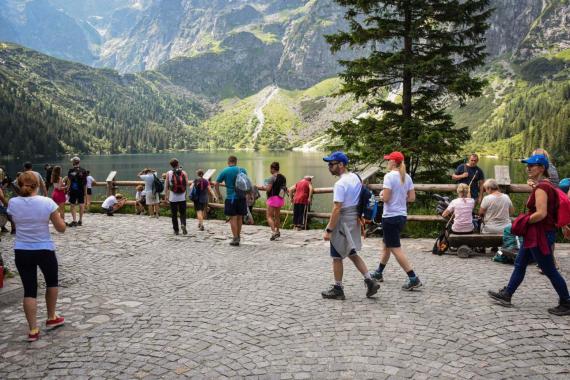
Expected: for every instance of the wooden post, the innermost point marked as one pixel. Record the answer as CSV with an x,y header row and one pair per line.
x,y
111,189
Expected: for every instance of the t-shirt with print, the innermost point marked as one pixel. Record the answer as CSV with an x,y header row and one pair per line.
x,y
497,214
109,202
347,190
397,205
31,215
463,214
475,174
172,196
228,177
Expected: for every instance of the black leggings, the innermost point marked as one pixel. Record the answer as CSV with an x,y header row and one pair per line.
x,y
28,262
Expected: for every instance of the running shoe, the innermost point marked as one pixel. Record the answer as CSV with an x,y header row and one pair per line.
x,y
53,323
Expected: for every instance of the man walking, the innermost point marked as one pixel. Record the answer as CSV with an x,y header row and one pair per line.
x,y
77,177
343,229
175,188
471,175
235,207
43,189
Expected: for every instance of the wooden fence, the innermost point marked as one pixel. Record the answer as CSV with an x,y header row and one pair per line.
x,y
112,184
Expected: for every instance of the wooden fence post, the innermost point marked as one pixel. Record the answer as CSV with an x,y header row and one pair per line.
x,y
111,189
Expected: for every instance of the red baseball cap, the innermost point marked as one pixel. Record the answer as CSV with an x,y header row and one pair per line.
x,y
396,156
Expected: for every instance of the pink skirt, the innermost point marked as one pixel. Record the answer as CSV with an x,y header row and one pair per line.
x,y
275,201
58,196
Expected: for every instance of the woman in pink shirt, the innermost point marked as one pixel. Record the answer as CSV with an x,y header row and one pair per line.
x,y
462,209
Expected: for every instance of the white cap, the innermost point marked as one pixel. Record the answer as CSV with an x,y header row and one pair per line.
x,y
309,177
75,159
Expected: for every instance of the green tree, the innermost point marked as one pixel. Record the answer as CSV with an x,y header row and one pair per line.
x,y
424,51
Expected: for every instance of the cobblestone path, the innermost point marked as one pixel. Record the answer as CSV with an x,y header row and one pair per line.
x,y
141,303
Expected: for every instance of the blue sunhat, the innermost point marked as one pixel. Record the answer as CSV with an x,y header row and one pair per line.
x,y
537,159
337,156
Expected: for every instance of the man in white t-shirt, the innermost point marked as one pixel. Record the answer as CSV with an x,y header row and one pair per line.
x,y
343,229
175,186
112,203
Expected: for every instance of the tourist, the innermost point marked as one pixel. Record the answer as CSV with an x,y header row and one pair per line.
x,y
151,197
302,194
539,237
199,194
471,175
4,211
28,168
462,210
343,228
235,206
77,189
48,169
276,188
496,209
553,176
90,183
113,203
34,248
59,190
140,200
176,183
398,191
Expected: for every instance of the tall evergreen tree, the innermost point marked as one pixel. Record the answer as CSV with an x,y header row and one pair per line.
x,y
423,52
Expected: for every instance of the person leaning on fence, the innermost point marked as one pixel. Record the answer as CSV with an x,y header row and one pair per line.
x,y
235,206
35,248
113,203
301,193
496,209
462,210
398,191
151,197
538,237
343,228
471,175
176,184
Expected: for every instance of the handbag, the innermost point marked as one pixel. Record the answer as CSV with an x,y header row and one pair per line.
x,y
520,225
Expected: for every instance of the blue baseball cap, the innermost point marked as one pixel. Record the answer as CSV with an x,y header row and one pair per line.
x,y
337,156
537,159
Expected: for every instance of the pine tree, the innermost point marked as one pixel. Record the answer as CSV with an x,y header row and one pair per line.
x,y
423,50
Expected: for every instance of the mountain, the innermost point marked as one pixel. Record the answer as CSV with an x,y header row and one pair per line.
x,y
49,106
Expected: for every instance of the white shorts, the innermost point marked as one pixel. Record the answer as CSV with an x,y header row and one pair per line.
x,y
151,198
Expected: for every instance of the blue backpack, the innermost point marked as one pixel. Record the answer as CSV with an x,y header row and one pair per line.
x,y
367,204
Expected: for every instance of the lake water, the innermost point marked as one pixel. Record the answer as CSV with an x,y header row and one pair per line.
x,y
294,165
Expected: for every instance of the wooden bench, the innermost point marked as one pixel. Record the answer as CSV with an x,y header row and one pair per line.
x,y
465,244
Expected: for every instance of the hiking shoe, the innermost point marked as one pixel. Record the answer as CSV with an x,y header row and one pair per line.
x,y
72,224
377,276
201,227
176,232
235,242
273,237
371,287
502,296
184,230
334,293
79,223
32,337
53,323
412,283
562,309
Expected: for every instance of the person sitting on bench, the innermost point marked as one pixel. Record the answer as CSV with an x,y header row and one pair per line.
x,y
113,203
496,209
462,209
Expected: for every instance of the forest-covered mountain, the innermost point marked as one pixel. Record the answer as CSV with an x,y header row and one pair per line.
x,y
50,106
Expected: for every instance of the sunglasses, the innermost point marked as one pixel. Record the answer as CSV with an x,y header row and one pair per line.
x,y
333,163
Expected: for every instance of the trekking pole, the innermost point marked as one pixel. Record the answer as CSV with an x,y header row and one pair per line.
x,y
306,216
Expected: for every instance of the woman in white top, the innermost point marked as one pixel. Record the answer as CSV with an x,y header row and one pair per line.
x,y
34,248
462,209
398,190
496,209
90,182
152,198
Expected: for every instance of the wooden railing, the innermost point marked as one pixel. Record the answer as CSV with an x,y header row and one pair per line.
x,y
112,184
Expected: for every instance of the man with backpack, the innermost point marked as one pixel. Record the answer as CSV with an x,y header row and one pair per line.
x,y
343,229
235,206
77,177
175,187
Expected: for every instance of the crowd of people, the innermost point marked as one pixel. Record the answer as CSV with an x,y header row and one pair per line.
x,y
31,210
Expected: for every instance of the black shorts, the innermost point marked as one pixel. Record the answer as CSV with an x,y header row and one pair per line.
x,y
76,196
89,191
235,207
27,263
200,206
392,228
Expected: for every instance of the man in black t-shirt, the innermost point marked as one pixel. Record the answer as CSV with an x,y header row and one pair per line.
x,y
77,177
472,175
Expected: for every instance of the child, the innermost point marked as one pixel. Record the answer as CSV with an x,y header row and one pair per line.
x,y
113,203
140,200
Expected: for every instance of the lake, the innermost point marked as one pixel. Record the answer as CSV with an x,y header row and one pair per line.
x,y
294,165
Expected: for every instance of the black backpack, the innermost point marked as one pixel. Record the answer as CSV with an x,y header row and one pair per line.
x,y
157,185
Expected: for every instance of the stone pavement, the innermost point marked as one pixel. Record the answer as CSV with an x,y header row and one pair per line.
x,y
141,303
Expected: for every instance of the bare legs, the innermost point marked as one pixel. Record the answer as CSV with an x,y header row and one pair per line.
x,y
81,212
236,223
31,307
338,267
274,219
400,256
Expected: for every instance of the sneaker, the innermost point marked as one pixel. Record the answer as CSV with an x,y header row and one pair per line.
x,y
201,227
502,296
176,232
72,224
334,293
377,276
412,283
277,234
79,223
234,242
371,287
32,337
53,323
184,230
273,237
562,309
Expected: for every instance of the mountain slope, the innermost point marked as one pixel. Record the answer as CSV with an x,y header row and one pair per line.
x,y
51,106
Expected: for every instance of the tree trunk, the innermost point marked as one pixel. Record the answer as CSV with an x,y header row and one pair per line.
x,y
407,77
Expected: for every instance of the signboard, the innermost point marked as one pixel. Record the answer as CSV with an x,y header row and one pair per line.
x,y
502,175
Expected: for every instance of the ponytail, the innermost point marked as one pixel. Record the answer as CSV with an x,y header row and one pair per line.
x,y
402,170
28,184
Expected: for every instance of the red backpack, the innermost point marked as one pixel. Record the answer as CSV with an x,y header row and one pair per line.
x,y
178,181
563,209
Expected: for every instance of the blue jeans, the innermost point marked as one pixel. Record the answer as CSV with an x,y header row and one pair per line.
x,y
546,263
